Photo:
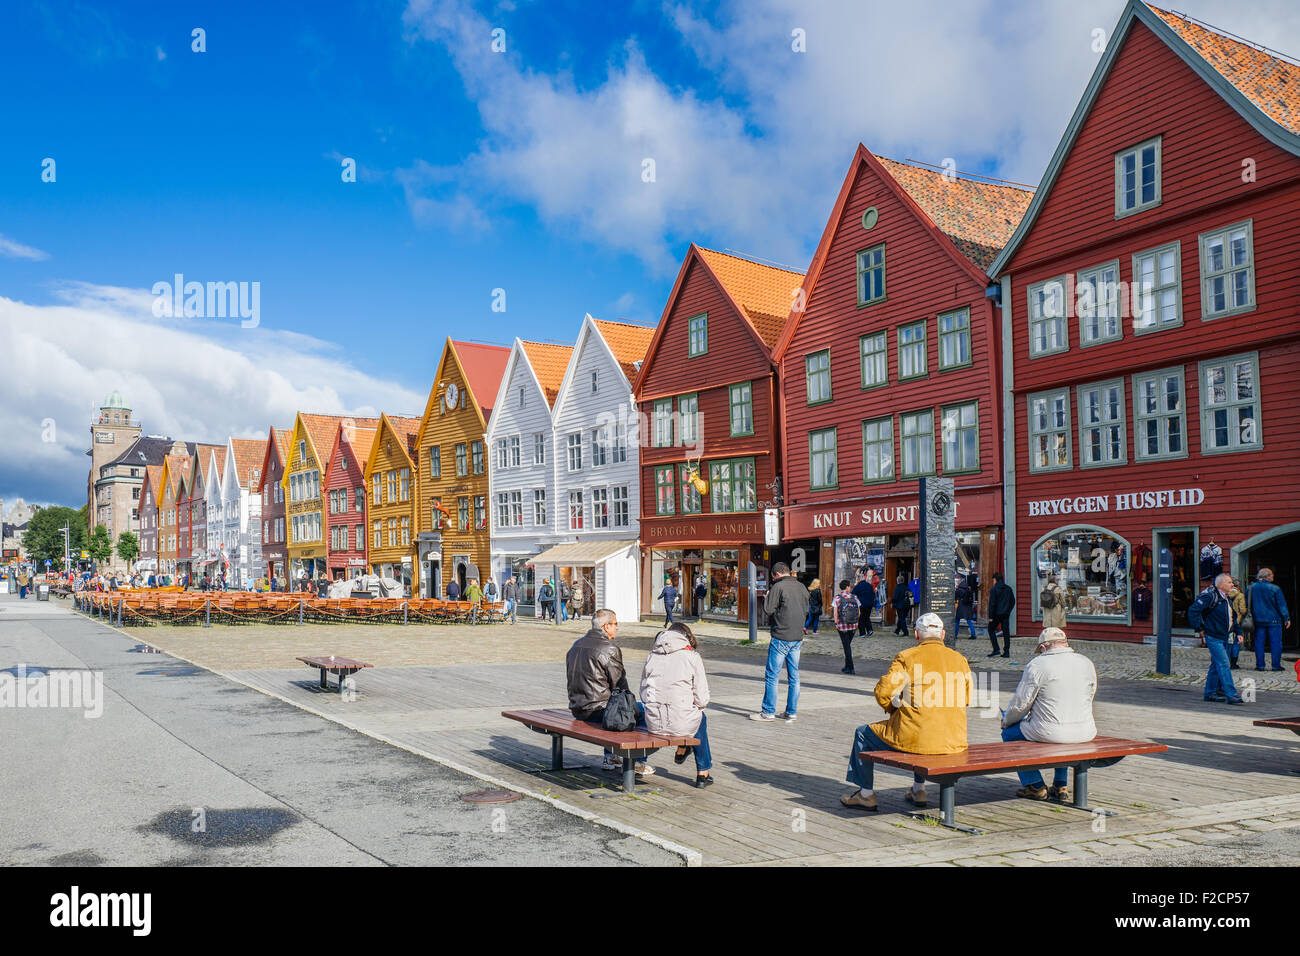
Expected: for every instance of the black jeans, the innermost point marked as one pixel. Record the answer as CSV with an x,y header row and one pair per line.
x,y
1000,623
900,627
864,621
846,639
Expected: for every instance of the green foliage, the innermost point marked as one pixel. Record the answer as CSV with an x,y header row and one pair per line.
x,y
100,545
128,546
44,535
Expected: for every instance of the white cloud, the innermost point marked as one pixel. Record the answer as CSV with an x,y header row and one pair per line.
x,y
16,250
197,380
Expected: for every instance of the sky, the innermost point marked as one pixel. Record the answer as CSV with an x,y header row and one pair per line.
x,y
502,154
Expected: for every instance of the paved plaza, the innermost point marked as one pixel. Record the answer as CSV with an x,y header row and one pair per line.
x,y
439,691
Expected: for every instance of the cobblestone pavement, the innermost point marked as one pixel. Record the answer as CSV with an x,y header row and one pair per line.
x,y
1225,787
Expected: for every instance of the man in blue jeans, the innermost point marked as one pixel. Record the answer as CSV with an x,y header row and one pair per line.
x,y
1212,618
787,609
1267,606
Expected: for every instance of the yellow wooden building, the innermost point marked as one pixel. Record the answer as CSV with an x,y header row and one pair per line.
x,y
452,542
391,477
304,501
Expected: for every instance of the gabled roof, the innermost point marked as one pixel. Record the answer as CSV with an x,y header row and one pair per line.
x,y
406,430
207,455
1261,88
321,429
629,343
152,475
277,444
549,363
176,469
483,366
248,455
147,450
764,293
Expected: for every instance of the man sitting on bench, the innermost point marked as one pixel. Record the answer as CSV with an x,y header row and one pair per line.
x,y
1052,705
594,668
925,693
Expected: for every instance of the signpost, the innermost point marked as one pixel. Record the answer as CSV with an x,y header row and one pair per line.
x,y
937,543
1164,612
753,603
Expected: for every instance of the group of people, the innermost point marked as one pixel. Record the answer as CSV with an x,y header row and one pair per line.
x,y
562,599
1222,614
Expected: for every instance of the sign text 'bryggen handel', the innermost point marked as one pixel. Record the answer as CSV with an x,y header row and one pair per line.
x,y
1129,501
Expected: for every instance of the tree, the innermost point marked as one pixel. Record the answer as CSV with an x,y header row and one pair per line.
x,y
44,535
100,545
128,546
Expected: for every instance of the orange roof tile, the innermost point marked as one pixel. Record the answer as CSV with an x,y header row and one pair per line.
x,y
979,217
322,429
153,475
629,343
407,428
764,293
178,469
1269,82
282,438
248,453
363,439
549,364
483,366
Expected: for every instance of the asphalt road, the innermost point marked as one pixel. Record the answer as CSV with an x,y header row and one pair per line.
x,y
184,767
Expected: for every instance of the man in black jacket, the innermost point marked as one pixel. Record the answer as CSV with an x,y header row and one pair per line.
x,y
594,670
1002,601
866,596
787,609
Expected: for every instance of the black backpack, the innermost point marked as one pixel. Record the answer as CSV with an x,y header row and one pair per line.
x,y
620,712
849,612
1048,599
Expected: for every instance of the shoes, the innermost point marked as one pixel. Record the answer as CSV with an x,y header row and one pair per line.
x,y
643,770
610,764
1006,654
1261,669
702,781
1277,668
915,799
1059,794
856,799
682,754
1038,792
788,718
762,716
1234,666
1235,700
846,670
994,653
1215,699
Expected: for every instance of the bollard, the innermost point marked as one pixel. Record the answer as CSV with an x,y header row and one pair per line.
x,y
404,606
120,602
207,612
300,603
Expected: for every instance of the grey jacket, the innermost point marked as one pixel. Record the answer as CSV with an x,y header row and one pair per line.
x,y
1053,702
674,688
787,609
594,668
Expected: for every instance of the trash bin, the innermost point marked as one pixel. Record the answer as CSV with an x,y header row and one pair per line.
x,y
42,592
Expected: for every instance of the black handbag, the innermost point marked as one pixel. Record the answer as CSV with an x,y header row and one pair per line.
x,y
620,712
1247,622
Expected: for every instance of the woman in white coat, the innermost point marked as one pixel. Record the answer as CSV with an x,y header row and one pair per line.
x,y
675,691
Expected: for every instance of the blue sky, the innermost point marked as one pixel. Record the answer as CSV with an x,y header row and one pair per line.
x,y
478,170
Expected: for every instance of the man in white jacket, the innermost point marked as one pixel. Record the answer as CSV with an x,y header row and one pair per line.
x,y
1053,705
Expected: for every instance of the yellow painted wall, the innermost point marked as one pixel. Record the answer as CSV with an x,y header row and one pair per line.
x,y
388,457
303,458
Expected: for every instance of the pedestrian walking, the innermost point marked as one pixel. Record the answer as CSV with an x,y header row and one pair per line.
x,y
1002,601
701,594
577,596
562,600
846,612
453,590
901,601
786,607
546,598
814,606
1051,601
669,596
509,592
1212,617
865,592
965,600
1268,609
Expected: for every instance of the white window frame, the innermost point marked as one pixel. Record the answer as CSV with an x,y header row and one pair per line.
x,y
879,440
1207,410
600,509
574,446
1110,299
577,511
1119,423
1161,417
539,448
1065,429
1122,210
620,503
539,507
919,436
1207,277
1138,295
1042,317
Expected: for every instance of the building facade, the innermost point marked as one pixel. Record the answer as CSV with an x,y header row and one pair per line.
x,y
149,531
1150,333
453,539
112,493
241,509
707,394
275,554
346,514
390,477
889,374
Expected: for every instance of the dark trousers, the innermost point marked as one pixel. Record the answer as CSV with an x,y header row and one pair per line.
x,y
668,614
846,640
1003,624
864,621
900,626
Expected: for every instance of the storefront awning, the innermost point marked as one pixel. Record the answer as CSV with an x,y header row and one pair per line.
x,y
581,553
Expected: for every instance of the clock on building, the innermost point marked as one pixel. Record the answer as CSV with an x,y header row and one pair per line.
x,y
453,394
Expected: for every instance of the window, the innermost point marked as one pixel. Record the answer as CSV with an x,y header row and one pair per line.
x,y
961,438
917,439
688,415
503,510
302,449
1137,178
343,537
435,513
1098,304
406,531
742,409
392,486
873,350
476,452
462,513
663,423
480,512
462,463
1047,329
818,369
1227,271
378,536
360,538
699,335
620,441
1049,431
435,461
1230,404
539,506
503,453
599,451
517,508
664,495
1089,564
1157,289
878,450
911,351
1159,416
575,511
376,488
358,499
821,459
733,486
514,451
691,500
575,451
954,339
599,508
539,448
871,275
521,396
1101,424
622,516
593,382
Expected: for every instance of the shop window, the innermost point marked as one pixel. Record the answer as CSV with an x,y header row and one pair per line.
x,y
721,568
1092,567
1230,404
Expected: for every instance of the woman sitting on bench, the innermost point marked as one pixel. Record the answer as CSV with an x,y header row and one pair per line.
x,y
675,692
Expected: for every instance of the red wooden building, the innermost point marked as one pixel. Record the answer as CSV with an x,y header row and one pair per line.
x,y
1150,324
345,492
890,372
275,554
707,396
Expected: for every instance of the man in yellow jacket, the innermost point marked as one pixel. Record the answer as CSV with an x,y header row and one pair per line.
x,y
925,694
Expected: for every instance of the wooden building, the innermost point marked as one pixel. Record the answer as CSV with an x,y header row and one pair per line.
x,y
1150,333
390,474
707,396
275,554
453,539
150,487
345,516
889,373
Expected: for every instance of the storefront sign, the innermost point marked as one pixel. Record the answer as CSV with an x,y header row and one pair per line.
x,y
704,529
356,562
1128,501
973,510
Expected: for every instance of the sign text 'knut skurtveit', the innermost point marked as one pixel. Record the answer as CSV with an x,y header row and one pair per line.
x,y
1128,501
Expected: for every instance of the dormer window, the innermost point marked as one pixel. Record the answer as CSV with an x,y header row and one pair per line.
x,y
302,449
1137,178
521,397
593,381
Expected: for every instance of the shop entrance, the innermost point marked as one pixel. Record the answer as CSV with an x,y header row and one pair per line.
x,y
1184,550
900,558
1279,554
695,586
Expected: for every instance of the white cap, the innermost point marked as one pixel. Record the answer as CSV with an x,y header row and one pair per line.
x,y
929,625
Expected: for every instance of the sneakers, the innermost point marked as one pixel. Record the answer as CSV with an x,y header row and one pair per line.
x,y
916,799
788,718
1059,794
856,799
1038,792
1236,700
610,764
762,716
1215,699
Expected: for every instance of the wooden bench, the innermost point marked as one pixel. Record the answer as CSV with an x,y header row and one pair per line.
x,y
342,667
632,745
1285,723
980,759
